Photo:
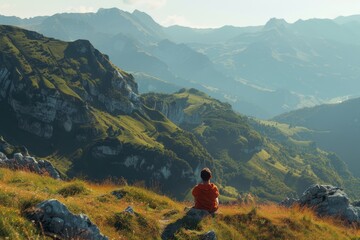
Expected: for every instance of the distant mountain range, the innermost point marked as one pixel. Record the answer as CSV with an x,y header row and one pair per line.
x,y
262,71
68,103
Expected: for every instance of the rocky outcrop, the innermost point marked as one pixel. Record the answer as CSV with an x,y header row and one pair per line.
x,y
328,200
29,163
106,148
175,110
57,221
39,111
61,97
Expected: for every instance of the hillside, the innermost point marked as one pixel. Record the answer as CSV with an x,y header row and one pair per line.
x,y
67,102
154,213
335,127
252,156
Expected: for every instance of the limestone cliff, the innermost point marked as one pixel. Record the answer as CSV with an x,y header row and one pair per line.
x,y
51,84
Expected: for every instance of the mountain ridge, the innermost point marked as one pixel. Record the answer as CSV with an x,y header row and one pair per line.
x,y
312,49
335,128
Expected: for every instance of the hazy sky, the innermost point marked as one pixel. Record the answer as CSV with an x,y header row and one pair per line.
x,y
195,13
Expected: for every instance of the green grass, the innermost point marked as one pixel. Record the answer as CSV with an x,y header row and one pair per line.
x,y
128,224
63,87
154,213
286,129
13,226
75,188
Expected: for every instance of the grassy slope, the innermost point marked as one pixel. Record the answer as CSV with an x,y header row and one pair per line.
x,y
20,190
335,128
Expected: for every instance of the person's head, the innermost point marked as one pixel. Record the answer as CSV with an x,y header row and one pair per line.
x,y
205,174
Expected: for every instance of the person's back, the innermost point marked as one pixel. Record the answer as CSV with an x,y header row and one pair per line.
x,y
206,194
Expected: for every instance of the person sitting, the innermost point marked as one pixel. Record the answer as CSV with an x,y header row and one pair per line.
x,y
205,193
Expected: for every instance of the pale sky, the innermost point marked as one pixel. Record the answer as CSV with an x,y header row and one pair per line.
x,y
194,13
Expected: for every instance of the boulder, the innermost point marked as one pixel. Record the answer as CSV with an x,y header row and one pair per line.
x,y
49,168
327,200
19,158
119,194
57,221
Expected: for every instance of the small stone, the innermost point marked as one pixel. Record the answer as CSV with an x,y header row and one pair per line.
x,y
118,194
130,210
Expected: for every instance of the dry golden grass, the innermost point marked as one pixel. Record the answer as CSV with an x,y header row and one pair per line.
x,y
19,190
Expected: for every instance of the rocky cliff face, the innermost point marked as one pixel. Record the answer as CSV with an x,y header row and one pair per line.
x,y
174,110
51,84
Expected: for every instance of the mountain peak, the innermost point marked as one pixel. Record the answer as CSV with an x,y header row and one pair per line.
x,y
276,23
138,12
113,10
144,17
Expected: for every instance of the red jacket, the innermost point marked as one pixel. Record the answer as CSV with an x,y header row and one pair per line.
x,y
205,196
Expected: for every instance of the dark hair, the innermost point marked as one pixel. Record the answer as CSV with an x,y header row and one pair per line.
x,y
205,174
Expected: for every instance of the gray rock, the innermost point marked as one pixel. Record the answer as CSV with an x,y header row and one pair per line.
x,y
49,168
2,156
211,235
118,194
29,163
327,200
18,157
55,219
105,151
57,225
130,210
197,214
30,160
